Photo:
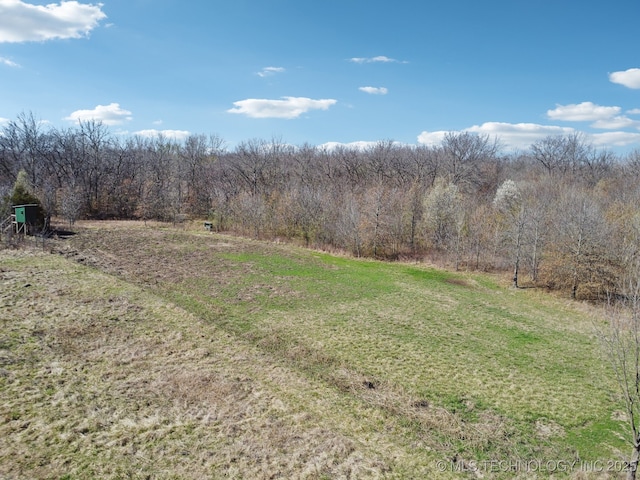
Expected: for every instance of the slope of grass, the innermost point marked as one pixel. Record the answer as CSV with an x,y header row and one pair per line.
x,y
99,379
450,340
355,367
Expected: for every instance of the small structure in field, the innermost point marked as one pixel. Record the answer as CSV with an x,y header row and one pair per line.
x,y
27,219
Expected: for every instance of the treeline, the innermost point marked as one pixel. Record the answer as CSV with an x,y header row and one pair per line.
x,y
562,214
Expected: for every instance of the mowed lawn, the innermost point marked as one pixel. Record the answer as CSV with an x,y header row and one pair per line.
x,y
156,352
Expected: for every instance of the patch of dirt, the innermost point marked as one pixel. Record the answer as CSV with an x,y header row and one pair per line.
x,y
619,416
461,282
546,429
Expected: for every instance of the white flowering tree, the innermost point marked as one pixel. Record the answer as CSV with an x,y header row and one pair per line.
x,y
442,212
513,216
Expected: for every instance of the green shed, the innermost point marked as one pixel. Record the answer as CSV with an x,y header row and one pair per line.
x,y
27,217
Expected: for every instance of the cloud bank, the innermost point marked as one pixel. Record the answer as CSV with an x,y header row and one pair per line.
x,y
287,107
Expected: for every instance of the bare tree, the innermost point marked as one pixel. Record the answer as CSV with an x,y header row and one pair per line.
x,y
536,236
250,163
631,164
479,233
94,142
71,203
158,188
196,156
20,143
462,155
426,164
349,161
596,165
621,342
375,218
349,225
378,159
581,253
250,212
564,154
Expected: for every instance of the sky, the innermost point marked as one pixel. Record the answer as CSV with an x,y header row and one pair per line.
x,y
327,72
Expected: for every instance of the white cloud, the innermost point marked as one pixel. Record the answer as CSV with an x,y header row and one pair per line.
x,y
8,63
374,90
432,139
634,111
607,118
24,22
173,134
511,135
110,114
582,112
288,107
629,78
616,123
269,71
378,59
615,139
4,121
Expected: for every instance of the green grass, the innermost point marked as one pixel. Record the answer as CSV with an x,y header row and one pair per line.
x,y
407,365
448,338
524,355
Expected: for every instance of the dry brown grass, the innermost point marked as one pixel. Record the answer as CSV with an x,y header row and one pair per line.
x,y
100,380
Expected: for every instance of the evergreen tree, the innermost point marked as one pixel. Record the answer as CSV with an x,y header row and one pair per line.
x,y
21,194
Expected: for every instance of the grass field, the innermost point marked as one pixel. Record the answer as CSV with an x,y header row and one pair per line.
x,y
146,351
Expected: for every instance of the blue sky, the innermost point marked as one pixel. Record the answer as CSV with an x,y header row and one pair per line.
x,y
328,71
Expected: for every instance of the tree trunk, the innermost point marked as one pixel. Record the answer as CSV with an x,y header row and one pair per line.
x,y
535,255
518,253
633,464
